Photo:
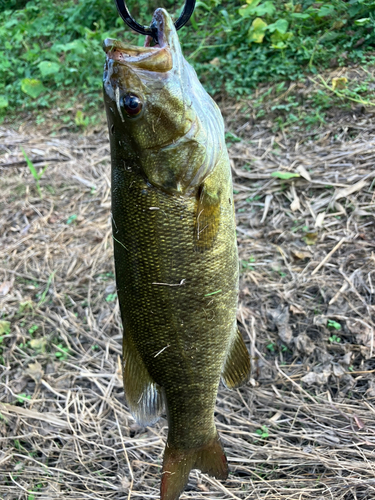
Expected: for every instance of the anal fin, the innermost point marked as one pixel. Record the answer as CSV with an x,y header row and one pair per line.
x,y
236,369
143,395
177,464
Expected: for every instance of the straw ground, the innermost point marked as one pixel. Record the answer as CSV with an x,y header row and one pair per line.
x,y
304,425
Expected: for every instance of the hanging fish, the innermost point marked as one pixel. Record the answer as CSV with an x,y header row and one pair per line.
x,y
175,249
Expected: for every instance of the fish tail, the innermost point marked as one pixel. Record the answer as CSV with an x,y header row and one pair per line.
x,y
209,458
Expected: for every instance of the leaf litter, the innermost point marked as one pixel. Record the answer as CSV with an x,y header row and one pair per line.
x,y
303,426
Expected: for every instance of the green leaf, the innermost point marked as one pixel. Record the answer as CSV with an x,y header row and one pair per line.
x,y
204,5
249,9
269,8
284,175
279,39
38,344
281,25
3,102
326,10
362,22
266,8
48,68
33,329
257,30
111,297
23,397
80,119
310,238
77,46
333,324
4,327
299,15
71,219
30,165
32,87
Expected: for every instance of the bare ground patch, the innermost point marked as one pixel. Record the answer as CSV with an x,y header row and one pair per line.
x,y
304,426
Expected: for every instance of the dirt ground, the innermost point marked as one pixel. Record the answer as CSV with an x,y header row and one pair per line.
x,y
303,428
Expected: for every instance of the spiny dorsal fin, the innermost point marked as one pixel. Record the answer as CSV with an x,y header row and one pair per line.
x,y
236,369
143,395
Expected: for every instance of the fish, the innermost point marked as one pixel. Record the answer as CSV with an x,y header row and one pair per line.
x,y
175,249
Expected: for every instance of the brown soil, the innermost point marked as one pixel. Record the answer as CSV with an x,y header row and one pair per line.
x,y
304,425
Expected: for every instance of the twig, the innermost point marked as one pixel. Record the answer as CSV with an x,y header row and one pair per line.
x,y
329,255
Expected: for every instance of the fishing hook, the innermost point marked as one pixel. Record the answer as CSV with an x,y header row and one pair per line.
x,y
151,30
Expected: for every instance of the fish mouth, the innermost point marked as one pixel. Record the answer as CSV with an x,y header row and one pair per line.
x,y
157,58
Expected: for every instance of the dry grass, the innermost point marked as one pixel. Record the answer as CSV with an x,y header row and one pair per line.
x,y
302,429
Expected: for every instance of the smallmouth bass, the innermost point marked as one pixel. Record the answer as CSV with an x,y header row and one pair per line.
x,y
175,249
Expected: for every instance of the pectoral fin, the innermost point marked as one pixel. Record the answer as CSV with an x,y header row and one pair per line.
x,y
236,369
143,395
207,219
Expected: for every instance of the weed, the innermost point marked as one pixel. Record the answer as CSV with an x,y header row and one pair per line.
x,y
37,176
333,324
263,432
246,264
21,398
231,138
284,175
33,329
334,338
62,352
111,297
42,298
24,307
105,276
271,347
81,120
4,327
39,345
71,219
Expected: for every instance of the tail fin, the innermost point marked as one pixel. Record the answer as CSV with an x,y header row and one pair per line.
x,y
209,458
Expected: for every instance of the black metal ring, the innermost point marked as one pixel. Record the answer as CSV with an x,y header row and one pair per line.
x,y
149,30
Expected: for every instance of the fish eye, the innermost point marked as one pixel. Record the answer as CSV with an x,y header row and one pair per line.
x,y
132,105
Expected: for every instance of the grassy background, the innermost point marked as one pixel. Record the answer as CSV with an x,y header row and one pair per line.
x,y
52,55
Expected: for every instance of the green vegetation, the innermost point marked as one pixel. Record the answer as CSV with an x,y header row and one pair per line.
x,y
111,297
334,338
37,175
263,432
333,324
51,51
21,398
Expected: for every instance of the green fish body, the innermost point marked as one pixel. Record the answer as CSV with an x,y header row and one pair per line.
x,y
175,249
